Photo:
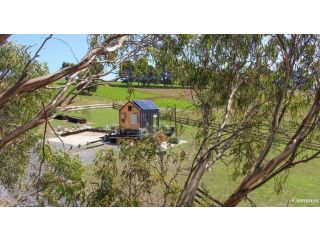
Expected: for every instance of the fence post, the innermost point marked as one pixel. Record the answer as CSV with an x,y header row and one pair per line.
x,y
175,120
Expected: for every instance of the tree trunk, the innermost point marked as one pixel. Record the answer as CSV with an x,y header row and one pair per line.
x,y
191,187
4,37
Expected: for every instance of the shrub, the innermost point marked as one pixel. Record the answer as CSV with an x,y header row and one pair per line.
x,y
173,140
160,137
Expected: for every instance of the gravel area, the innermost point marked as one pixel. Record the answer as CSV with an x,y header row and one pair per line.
x,y
86,153
78,139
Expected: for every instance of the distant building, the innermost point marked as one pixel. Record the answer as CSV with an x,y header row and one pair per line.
x,y
138,114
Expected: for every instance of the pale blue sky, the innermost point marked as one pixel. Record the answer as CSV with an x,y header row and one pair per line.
x,y
55,52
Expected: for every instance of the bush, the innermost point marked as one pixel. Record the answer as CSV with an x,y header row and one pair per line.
x,y
160,137
173,140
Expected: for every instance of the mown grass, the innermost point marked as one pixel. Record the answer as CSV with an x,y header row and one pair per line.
x,y
55,123
99,118
172,102
302,182
121,94
105,94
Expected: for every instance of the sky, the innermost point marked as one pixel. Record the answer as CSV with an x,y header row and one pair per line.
x,y
55,52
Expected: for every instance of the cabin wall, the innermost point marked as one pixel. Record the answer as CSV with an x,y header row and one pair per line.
x,y
125,124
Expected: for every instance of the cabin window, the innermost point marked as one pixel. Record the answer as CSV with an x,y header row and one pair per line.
x,y
123,115
134,118
129,108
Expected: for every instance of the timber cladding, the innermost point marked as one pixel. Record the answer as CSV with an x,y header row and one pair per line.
x,y
126,120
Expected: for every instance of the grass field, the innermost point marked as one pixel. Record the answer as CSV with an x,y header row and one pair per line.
x,y
302,182
164,98
98,118
171,102
121,94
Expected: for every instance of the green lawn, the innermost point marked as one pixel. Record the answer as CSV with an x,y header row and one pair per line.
x,y
98,117
106,94
302,182
55,123
121,94
171,102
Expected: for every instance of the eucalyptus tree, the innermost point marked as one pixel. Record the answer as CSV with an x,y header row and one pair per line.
x,y
297,53
15,157
28,84
3,38
140,174
165,56
217,67
244,88
125,71
108,51
28,99
141,67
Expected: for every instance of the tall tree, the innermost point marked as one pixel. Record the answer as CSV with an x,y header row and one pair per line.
x,y
141,69
26,84
237,74
15,158
66,64
245,87
27,100
126,71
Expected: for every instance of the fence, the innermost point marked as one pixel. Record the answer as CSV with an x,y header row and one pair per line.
x,y
116,106
181,120
86,107
192,122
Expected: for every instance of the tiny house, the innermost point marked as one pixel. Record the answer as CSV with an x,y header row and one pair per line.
x,y
138,114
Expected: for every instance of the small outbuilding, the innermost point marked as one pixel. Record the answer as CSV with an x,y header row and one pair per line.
x,y
138,114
